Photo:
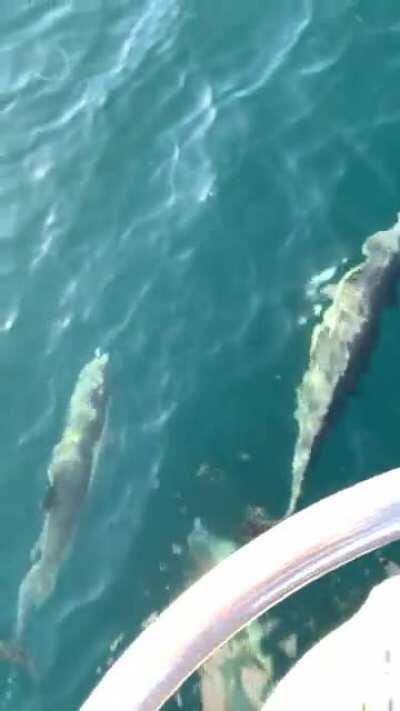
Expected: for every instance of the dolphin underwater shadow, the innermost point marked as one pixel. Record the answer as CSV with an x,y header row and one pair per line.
x,y
70,472
341,345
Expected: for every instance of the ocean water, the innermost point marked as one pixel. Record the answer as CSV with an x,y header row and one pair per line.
x,y
175,180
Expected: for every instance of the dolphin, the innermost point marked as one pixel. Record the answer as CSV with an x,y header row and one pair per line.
x,y
69,474
336,339
237,674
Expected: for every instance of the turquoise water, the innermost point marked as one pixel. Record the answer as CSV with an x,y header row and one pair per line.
x,y
173,175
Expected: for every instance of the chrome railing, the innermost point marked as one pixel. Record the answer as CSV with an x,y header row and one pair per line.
x,y
259,575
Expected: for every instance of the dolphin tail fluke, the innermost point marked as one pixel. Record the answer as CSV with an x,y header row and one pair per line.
x,y
15,654
34,590
292,504
300,464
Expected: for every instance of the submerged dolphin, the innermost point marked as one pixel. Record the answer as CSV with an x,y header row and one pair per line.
x,y
354,304
238,674
69,473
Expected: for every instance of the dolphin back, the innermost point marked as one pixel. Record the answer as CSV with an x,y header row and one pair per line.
x,y
356,301
69,474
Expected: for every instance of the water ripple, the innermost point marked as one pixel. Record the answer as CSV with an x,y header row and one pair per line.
x,y
270,56
190,171
152,23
